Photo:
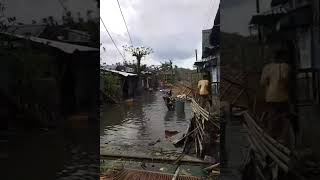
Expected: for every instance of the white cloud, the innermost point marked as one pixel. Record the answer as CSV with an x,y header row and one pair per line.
x,y
172,28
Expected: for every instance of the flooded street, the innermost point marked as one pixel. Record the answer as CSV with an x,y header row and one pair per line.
x,y
136,126
139,130
72,154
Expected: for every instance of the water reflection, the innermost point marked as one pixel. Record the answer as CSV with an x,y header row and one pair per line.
x,y
169,116
141,123
181,115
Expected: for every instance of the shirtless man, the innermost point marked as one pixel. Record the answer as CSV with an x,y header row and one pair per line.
x,y
275,79
203,86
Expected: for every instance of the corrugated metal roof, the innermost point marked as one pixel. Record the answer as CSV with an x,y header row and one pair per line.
x,y
65,47
130,174
120,72
28,30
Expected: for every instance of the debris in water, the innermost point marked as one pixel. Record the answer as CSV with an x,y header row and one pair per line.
x,y
155,142
143,165
163,169
209,159
183,172
170,133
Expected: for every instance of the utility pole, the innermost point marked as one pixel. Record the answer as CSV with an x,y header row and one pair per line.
x,y
258,6
258,11
196,51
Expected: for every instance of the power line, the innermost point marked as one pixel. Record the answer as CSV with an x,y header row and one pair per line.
x,y
112,39
125,23
62,5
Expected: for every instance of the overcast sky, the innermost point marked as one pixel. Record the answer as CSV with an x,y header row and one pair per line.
x,y
236,14
27,10
172,28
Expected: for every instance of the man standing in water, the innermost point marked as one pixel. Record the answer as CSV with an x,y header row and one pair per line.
x,y
275,79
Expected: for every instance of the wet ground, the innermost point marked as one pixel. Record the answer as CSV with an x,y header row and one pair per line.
x,y
139,129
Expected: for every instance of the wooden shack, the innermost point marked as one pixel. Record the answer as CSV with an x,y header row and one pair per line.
x,y
127,81
41,68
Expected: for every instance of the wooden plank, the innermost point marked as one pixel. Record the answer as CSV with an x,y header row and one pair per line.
x,y
184,160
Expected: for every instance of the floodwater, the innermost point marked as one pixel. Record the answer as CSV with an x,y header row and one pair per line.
x,y
63,154
138,125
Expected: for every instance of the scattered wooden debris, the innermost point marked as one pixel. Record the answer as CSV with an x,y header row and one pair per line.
x,y
164,159
295,162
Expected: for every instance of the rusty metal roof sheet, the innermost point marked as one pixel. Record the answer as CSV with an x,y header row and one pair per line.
x,y
148,175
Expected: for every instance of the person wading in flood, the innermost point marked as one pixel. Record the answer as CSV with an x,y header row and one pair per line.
x,y
275,79
169,100
203,91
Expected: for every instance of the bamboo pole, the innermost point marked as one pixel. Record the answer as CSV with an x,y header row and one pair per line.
x,y
277,152
273,141
200,109
270,150
253,142
198,112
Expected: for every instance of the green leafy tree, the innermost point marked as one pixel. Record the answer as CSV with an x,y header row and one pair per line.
x,y
139,53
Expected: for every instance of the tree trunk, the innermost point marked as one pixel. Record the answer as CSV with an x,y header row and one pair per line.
x,y
138,65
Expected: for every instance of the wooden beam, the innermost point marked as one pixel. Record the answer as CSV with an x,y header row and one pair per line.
x,y
159,159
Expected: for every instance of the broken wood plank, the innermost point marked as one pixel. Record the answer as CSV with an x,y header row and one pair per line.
x,y
212,167
179,158
176,174
185,160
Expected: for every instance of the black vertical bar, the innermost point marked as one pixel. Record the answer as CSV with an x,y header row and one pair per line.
x,y
258,11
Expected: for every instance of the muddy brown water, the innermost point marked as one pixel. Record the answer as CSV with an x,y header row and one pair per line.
x,y
141,123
